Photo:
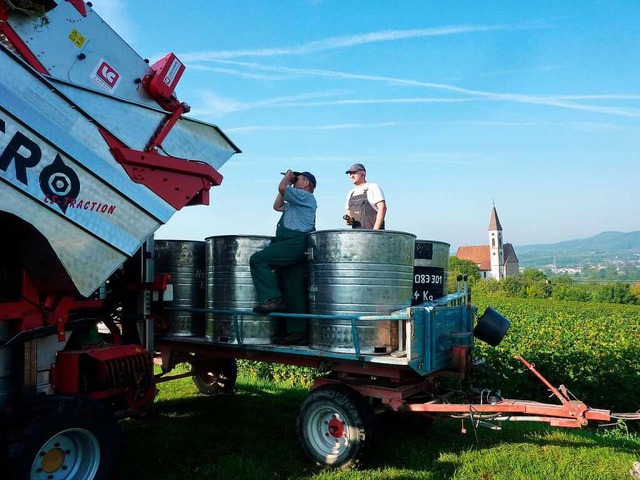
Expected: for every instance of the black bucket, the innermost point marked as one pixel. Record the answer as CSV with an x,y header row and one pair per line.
x,y
491,327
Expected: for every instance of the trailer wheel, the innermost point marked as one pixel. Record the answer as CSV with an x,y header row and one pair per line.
x,y
66,438
336,427
215,375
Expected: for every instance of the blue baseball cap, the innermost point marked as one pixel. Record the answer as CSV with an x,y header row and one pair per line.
x,y
309,176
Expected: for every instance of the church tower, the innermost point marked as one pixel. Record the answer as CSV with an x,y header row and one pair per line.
x,y
496,247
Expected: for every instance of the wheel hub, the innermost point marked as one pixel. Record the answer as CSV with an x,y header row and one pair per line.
x,y
52,460
70,454
335,427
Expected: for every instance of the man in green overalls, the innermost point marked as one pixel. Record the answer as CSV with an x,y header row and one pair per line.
x,y
285,256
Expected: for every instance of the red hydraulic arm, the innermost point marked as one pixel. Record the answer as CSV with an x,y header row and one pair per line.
x,y
179,182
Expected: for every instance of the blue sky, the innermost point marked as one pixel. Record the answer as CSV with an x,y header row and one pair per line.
x,y
450,105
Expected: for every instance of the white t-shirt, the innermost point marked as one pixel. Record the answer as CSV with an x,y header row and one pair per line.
x,y
374,194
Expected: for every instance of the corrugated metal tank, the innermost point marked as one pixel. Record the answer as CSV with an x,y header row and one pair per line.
x,y
430,271
358,272
185,261
230,287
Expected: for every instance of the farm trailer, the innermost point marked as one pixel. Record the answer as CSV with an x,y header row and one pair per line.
x,y
336,422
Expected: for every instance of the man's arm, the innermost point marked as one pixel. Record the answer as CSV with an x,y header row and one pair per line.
x,y
347,214
382,211
287,179
278,204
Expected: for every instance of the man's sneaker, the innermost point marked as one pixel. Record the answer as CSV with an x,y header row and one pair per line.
x,y
272,305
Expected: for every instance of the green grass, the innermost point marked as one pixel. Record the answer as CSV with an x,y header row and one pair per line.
x,y
251,435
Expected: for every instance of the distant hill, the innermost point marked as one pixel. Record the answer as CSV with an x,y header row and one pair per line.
x,y
590,251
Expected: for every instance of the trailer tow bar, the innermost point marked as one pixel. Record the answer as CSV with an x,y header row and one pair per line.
x,y
570,413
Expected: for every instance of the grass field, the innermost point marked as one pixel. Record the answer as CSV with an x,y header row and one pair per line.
x,y
251,435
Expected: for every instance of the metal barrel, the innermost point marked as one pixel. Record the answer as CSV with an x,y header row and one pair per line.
x,y
185,261
358,272
8,357
430,271
230,287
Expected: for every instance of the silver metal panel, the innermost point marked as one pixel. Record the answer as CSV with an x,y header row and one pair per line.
x,y
91,240
104,212
358,272
230,287
135,125
73,48
29,98
117,215
87,259
185,262
67,34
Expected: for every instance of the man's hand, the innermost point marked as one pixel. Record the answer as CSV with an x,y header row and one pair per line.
x,y
289,177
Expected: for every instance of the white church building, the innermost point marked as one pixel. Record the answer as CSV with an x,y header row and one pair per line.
x,y
496,260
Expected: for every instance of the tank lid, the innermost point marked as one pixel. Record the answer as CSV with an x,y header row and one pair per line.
x,y
259,237
351,231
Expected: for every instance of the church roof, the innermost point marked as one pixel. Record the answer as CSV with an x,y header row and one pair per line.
x,y
481,255
510,254
478,254
494,223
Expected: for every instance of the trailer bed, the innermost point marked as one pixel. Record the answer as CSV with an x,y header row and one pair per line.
x,y
433,336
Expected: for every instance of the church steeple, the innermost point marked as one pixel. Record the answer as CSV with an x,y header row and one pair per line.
x,y
496,248
494,223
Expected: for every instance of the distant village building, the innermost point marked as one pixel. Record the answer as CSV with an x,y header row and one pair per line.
x,y
497,260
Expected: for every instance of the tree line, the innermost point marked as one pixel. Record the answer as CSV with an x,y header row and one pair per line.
x,y
533,283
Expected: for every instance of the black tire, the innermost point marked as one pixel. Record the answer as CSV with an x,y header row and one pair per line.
x,y
336,427
215,376
65,438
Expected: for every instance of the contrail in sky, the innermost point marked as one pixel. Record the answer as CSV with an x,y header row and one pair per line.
x,y
333,43
548,100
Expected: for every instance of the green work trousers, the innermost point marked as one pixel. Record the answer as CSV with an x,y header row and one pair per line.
x,y
279,271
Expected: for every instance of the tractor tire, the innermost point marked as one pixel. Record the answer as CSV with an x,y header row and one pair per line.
x,y
65,438
215,376
337,427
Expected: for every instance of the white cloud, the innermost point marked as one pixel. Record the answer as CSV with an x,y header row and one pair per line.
x,y
338,126
212,104
523,70
239,73
546,100
333,43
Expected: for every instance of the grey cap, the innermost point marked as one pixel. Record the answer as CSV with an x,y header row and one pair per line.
x,y
355,167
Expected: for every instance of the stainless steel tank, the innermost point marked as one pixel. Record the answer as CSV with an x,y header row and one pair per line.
x,y
358,272
185,261
230,287
430,271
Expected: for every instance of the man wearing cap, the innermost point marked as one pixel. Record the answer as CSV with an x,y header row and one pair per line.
x,y
286,253
366,206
